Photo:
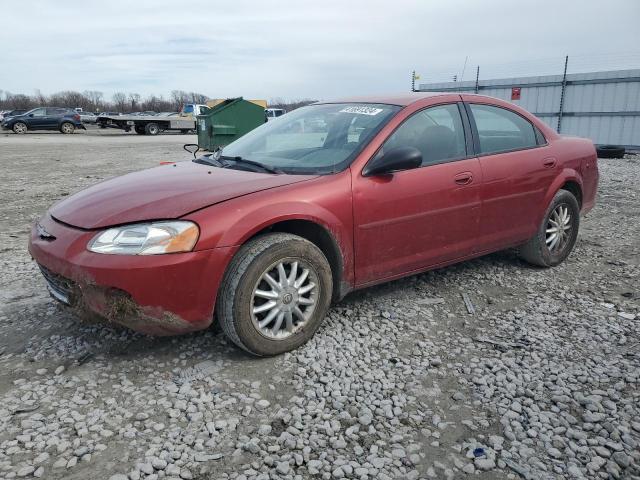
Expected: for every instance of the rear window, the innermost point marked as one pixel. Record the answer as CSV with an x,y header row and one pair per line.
x,y
501,130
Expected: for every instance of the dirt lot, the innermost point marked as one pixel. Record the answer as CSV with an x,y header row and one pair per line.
x,y
401,381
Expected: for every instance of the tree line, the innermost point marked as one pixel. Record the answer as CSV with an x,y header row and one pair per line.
x,y
95,101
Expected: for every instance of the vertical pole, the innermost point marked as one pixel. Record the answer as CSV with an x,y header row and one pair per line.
x,y
477,77
413,81
564,86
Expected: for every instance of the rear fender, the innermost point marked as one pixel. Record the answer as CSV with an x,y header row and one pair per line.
x,y
566,175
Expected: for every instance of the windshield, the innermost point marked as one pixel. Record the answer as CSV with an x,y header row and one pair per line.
x,y
320,139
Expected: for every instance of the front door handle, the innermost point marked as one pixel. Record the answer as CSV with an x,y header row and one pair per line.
x,y
549,162
464,178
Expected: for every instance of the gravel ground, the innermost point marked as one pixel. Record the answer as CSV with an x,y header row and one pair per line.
x,y
401,382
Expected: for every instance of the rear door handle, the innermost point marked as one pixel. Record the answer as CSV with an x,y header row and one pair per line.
x,y
464,178
549,162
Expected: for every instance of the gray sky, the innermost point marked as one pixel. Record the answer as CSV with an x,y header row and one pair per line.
x,y
296,49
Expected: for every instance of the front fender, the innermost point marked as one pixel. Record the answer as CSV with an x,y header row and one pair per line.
x,y
325,202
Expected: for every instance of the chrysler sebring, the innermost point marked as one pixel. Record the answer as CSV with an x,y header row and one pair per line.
x,y
262,235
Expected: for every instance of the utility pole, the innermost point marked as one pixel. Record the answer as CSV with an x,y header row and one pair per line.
x,y
477,77
413,81
564,87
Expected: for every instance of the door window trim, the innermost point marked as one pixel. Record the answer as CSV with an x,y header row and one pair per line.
x,y
476,135
466,128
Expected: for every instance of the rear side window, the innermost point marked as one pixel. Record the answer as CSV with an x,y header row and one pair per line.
x,y
501,130
437,132
59,111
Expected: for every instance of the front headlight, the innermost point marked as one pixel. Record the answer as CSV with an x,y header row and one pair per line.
x,y
146,238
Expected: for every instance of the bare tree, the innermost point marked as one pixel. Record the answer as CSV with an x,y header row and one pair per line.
x,y
39,98
95,99
120,101
198,98
179,98
18,101
134,100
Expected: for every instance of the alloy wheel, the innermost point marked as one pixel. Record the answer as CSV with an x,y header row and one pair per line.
x,y
284,298
20,128
558,230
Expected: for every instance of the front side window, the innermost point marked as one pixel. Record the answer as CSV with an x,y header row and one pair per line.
x,y
437,132
501,130
37,112
317,139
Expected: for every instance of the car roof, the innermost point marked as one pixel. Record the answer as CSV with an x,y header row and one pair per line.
x,y
402,99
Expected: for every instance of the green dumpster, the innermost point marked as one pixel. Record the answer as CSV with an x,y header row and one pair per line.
x,y
227,121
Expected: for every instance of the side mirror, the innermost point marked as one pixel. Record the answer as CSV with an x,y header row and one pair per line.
x,y
31,114
396,159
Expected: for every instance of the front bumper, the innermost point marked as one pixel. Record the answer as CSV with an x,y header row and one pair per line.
x,y
155,294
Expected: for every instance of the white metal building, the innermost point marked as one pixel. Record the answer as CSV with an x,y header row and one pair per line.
x,y
603,106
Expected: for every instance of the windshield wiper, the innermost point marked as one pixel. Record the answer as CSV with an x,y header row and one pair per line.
x,y
253,163
209,160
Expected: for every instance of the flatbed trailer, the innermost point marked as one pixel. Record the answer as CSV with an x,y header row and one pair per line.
x,y
146,124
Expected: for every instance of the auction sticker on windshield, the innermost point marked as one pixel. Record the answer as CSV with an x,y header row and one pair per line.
x,y
361,110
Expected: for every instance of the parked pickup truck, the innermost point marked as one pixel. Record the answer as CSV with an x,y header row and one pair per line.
x,y
146,124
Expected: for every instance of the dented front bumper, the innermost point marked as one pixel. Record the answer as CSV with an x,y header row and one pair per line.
x,y
155,294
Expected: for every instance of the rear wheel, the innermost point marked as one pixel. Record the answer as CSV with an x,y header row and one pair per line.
x,y
139,130
557,234
67,128
275,294
151,129
19,127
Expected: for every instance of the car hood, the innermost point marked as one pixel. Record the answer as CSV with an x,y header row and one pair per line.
x,y
168,191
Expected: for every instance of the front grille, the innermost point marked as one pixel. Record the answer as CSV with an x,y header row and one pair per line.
x,y
60,288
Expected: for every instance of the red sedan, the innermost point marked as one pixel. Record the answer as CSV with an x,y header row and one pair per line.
x,y
321,201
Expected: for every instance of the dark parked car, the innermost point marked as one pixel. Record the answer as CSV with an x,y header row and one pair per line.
x,y
270,229
49,118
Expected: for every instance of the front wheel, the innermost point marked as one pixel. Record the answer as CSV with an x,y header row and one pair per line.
x,y
275,294
557,233
19,128
67,128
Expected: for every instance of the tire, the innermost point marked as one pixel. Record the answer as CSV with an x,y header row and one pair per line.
x,y
538,251
67,128
246,273
20,128
610,151
151,129
139,130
